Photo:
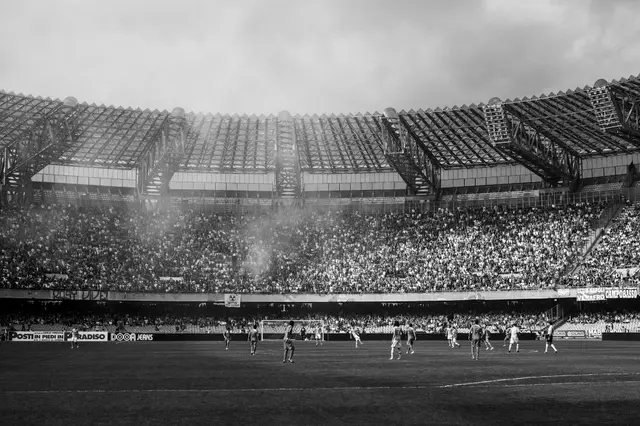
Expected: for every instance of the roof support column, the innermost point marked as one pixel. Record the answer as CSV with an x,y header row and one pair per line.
x,y
47,139
543,155
617,112
409,157
163,159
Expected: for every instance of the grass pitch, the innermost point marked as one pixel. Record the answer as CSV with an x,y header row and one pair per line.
x,y
200,383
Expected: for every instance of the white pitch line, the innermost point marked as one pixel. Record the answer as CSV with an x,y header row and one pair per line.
x,y
526,385
516,379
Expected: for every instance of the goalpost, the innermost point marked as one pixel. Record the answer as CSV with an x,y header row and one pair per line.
x,y
274,329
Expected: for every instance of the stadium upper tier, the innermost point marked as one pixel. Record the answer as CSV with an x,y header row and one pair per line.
x,y
117,137
301,251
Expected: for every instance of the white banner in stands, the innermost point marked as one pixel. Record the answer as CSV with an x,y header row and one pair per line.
x,y
621,293
232,300
591,294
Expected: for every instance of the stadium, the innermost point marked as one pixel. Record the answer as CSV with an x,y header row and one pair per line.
x,y
146,234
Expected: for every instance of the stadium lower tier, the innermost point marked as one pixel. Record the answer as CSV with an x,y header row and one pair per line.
x,y
301,250
370,318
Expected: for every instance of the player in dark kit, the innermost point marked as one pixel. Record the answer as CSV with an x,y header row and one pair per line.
x,y
253,339
227,338
475,336
289,347
411,338
487,338
549,338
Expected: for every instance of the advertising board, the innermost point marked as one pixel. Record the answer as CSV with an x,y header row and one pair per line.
x,y
131,337
90,336
570,334
36,336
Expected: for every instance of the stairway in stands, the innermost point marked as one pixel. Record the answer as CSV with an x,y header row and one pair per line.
x,y
610,212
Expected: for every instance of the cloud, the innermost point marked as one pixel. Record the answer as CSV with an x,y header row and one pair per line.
x,y
254,56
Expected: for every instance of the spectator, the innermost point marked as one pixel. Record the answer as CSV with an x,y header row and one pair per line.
x,y
298,251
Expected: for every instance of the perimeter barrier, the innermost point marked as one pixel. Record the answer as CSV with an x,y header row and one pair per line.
x,y
127,337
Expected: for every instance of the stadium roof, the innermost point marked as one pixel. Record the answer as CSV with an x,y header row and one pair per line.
x,y
118,137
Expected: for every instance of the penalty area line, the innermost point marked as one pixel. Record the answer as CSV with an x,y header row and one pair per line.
x,y
517,379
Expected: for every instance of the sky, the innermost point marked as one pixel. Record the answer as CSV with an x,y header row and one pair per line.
x,y
320,56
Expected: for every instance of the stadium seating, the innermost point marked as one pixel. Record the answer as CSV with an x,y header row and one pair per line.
x,y
296,251
432,324
604,321
618,249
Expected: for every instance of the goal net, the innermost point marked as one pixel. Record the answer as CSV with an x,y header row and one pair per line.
x,y
274,329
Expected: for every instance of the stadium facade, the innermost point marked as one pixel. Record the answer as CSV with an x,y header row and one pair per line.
x,y
568,142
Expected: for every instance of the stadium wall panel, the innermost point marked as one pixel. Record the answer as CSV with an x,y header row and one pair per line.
x,y
245,178
74,175
625,337
613,161
320,178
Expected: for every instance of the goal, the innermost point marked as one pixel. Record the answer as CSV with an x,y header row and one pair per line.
x,y
274,329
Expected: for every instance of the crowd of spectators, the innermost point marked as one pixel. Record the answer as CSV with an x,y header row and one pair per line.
x,y
498,321
293,251
625,320
615,260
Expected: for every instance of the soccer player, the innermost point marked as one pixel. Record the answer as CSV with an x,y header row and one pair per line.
x,y
289,347
454,336
411,338
448,332
549,338
75,334
355,333
513,338
475,335
487,338
227,338
253,339
507,336
318,333
396,340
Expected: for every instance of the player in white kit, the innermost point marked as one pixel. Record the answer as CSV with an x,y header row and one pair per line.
x,y
74,337
513,338
396,340
454,336
448,331
318,336
356,336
